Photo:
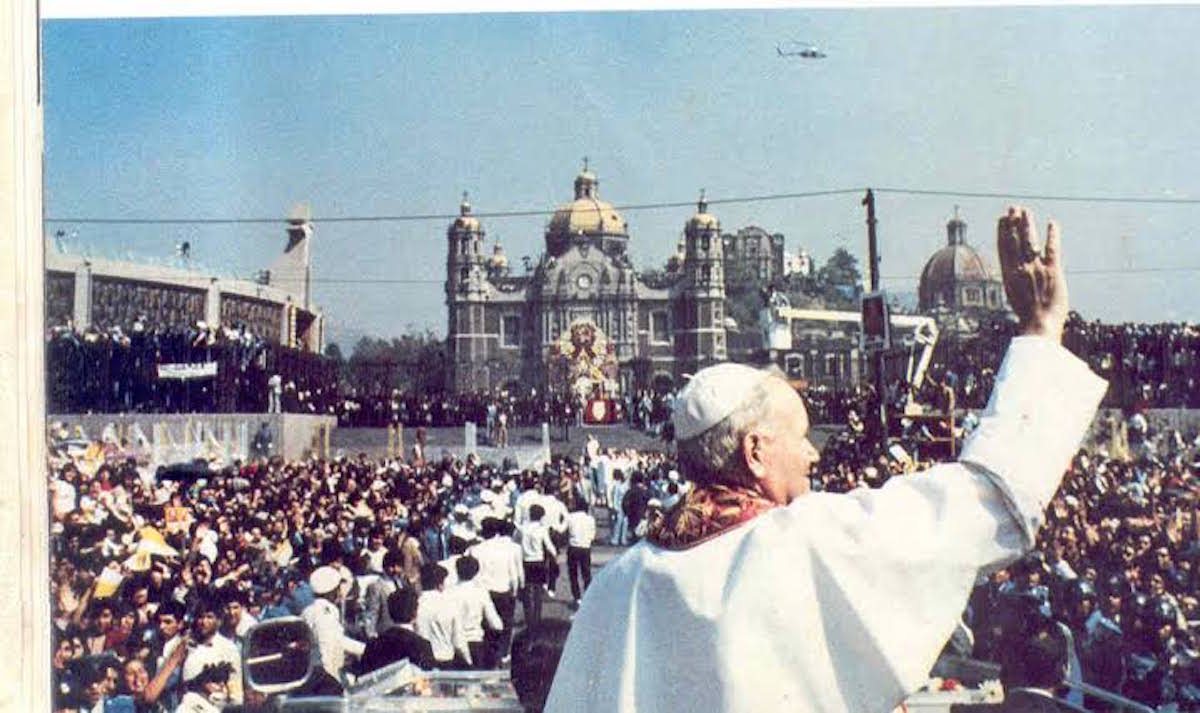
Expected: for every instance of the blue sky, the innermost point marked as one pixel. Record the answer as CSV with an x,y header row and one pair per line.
x,y
397,115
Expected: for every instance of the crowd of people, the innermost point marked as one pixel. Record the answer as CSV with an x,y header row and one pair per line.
x,y
156,584
116,370
647,409
140,567
1111,589
1146,365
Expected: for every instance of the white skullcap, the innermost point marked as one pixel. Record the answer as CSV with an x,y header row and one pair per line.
x,y
324,580
486,496
711,395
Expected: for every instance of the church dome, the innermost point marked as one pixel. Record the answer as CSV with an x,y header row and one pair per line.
x,y
499,260
950,266
703,220
587,213
465,221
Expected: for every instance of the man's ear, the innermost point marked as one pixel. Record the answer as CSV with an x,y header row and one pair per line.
x,y
752,451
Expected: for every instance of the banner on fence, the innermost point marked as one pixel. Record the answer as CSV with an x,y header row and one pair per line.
x,y
199,370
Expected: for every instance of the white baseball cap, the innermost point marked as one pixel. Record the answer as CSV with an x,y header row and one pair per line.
x,y
711,395
324,580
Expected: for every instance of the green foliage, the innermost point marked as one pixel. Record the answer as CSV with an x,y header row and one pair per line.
x,y
334,352
840,281
414,362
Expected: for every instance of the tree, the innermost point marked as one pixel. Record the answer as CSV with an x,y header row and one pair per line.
x,y
413,363
840,280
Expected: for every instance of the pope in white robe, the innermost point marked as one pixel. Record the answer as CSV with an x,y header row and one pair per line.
x,y
761,597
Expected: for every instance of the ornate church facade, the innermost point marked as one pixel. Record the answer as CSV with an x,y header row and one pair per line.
x,y
583,319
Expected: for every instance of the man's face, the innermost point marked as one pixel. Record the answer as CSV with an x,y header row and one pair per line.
x,y
168,625
206,625
233,613
783,454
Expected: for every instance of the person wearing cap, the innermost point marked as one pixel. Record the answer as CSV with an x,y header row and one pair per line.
x,y
754,595
324,618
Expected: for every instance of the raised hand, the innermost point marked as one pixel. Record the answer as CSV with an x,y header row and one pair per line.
x,y
1033,276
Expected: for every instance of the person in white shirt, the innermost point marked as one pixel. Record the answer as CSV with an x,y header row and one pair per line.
x,y
477,609
755,595
458,547
500,572
236,622
207,647
581,531
555,520
439,620
531,494
461,525
535,546
376,552
324,618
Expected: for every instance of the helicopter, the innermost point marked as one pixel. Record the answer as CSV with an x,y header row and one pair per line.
x,y
803,50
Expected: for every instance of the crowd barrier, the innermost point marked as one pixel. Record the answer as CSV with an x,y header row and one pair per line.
x,y
163,439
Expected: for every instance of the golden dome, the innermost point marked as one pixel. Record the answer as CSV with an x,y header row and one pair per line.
x,y
499,260
587,213
465,221
703,220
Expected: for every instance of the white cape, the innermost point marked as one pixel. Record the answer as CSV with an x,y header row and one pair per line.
x,y
835,602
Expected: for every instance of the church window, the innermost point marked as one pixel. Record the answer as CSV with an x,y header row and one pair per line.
x,y
659,331
465,247
510,331
464,273
971,296
704,243
830,364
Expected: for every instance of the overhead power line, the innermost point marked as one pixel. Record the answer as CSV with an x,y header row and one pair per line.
x,y
1041,197
414,217
633,207
276,281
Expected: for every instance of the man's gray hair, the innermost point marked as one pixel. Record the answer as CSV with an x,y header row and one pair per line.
x,y
715,455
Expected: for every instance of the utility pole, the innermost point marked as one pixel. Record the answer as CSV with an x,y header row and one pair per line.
x,y
873,267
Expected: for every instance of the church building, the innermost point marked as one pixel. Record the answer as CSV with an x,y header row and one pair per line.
x,y
583,319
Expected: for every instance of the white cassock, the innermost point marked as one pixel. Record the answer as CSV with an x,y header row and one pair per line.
x,y
834,602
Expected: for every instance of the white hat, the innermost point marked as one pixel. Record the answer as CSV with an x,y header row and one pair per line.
x,y
711,395
324,580
486,496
